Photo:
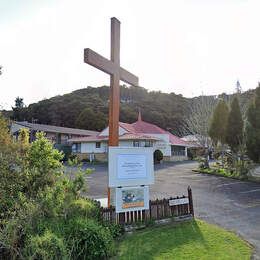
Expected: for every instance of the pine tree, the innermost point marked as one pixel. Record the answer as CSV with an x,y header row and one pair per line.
x,y
253,128
234,129
217,129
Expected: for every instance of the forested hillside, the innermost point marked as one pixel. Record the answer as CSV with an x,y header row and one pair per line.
x,y
88,108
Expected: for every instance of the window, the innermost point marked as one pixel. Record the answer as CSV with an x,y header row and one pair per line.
x,y
76,148
98,144
136,143
148,143
178,150
58,138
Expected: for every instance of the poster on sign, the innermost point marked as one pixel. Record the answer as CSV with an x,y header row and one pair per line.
x,y
131,166
132,198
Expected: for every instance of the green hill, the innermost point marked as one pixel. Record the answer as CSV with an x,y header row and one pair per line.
x,y
88,108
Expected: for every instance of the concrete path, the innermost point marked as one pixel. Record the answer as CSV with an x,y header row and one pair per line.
x,y
232,204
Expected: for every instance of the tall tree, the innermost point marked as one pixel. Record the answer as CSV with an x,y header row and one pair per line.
x,y
234,130
196,122
253,128
218,124
18,112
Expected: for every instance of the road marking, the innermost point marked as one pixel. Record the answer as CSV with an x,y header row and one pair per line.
x,y
249,191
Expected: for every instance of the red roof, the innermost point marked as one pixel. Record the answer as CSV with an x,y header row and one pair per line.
x,y
148,128
139,130
144,127
128,127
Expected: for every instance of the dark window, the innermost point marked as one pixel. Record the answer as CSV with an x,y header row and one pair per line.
x,y
136,143
148,143
178,150
76,148
58,140
98,144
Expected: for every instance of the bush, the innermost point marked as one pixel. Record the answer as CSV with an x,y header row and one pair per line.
x,y
116,230
46,246
157,155
86,239
84,208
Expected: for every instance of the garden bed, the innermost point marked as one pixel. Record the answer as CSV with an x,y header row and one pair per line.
x,y
190,240
221,172
224,173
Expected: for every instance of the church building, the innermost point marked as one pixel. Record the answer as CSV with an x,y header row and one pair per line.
x,y
138,134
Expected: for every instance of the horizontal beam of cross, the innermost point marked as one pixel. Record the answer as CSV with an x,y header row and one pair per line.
x,y
108,66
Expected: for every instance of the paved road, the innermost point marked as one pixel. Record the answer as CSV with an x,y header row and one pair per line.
x,y
232,204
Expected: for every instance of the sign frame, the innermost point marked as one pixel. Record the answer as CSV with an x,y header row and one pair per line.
x,y
126,163
122,206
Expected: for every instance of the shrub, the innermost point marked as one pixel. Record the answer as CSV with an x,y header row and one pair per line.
x,y
84,208
116,230
46,246
86,239
157,155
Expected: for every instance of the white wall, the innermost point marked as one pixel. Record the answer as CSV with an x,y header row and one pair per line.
x,y
163,145
91,148
105,132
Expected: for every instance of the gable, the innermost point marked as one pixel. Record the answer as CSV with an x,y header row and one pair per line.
x,y
105,132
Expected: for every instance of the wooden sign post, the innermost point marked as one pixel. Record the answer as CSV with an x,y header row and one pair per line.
x,y
112,67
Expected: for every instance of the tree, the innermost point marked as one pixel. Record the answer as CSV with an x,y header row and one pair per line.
x,y
19,102
88,119
253,128
218,124
197,121
234,129
18,111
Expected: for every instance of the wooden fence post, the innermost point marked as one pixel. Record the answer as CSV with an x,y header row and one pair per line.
x,y
190,201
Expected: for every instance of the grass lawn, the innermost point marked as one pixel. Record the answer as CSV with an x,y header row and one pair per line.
x,y
189,240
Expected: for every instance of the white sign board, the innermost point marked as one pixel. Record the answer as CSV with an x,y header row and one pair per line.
x,y
130,166
175,202
132,198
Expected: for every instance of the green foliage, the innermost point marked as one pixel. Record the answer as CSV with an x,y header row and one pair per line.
x,y
88,119
234,129
87,239
203,162
19,113
43,164
116,230
85,208
44,247
42,208
67,110
253,128
157,155
217,130
65,149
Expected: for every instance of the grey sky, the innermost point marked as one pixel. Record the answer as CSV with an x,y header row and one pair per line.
x,y
187,47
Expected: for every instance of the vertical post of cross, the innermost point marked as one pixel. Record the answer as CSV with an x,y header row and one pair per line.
x,y
112,67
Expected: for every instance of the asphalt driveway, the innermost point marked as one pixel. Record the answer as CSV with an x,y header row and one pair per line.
x,y
232,204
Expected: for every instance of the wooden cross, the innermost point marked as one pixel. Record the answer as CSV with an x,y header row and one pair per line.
x,y
112,67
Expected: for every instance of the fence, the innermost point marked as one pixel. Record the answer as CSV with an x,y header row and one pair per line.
x,y
158,209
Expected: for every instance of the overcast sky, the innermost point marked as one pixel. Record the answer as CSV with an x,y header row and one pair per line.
x,y
187,47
